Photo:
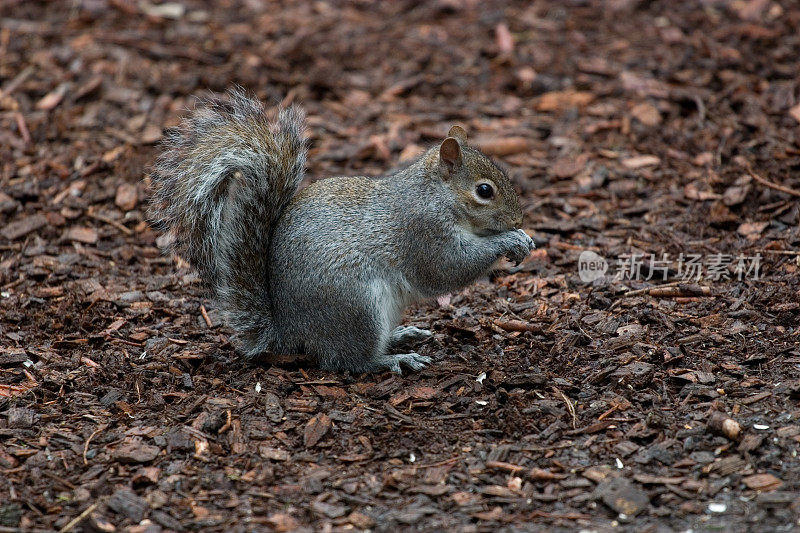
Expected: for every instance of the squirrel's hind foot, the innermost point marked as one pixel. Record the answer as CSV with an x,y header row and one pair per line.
x,y
392,362
406,335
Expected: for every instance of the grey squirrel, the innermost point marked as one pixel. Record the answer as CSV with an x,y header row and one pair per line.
x,y
327,270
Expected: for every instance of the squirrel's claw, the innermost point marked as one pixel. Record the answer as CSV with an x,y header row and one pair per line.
x,y
412,360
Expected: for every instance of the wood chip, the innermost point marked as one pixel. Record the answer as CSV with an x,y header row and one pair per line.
x,y
431,490
360,520
135,451
752,230
7,460
423,393
647,479
762,482
20,417
82,234
693,191
273,454
126,197
20,228
151,134
502,146
567,167
647,114
504,39
756,397
794,112
53,98
129,504
623,496
282,522
563,100
735,195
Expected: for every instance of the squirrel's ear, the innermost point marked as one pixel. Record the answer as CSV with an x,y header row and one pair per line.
x,y
450,155
459,133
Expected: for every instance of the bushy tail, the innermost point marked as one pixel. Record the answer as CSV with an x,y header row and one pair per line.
x,y
220,184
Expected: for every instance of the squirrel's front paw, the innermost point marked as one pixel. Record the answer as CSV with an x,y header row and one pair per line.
x,y
520,246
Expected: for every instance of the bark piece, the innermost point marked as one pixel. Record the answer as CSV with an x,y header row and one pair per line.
x,y
316,428
19,417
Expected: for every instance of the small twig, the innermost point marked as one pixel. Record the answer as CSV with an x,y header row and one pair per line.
x,y
118,225
59,479
689,290
508,467
126,341
608,413
557,516
439,463
671,290
769,184
537,474
637,292
701,109
77,520
518,325
205,316
86,444
390,410
570,407
12,284
18,80
779,252
23,127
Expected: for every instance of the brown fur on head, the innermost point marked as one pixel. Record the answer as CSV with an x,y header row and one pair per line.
x,y
485,194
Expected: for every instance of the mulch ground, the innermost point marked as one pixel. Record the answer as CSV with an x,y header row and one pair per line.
x,y
633,129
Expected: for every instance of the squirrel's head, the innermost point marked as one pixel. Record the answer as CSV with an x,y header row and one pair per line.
x,y
485,195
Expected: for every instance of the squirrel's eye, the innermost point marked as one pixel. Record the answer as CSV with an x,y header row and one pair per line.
x,y
484,190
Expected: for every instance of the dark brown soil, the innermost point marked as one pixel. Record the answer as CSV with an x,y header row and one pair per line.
x,y
630,127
